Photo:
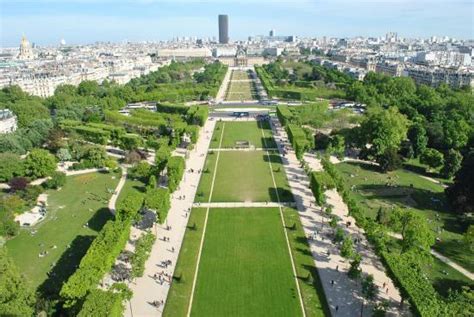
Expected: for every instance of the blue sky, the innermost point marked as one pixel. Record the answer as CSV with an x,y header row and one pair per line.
x,y
45,22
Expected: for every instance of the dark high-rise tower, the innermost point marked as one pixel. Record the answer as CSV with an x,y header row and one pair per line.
x,y
223,28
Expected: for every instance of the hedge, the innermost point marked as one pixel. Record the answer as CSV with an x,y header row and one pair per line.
x,y
92,134
139,124
158,200
130,141
142,253
102,303
319,183
284,114
97,261
198,115
175,168
168,108
298,140
193,131
115,132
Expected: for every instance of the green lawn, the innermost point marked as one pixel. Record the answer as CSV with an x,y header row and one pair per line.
x,y
83,199
414,192
245,267
180,292
243,131
131,185
243,176
240,75
308,278
241,90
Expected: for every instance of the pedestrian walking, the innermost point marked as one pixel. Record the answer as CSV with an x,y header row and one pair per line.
x,y
337,308
332,282
337,268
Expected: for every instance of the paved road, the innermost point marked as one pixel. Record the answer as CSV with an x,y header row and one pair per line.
x,y
146,289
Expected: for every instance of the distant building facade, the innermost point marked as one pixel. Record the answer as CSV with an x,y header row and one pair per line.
x,y
8,121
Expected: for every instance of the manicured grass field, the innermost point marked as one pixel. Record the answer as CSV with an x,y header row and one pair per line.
x,y
240,75
83,199
250,131
413,192
245,267
243,176
308,278
241,90
180,292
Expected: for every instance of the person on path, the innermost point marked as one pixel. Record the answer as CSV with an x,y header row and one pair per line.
x,y
332,282
337,308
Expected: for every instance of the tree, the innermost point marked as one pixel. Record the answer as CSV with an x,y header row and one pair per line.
x,y
64,155
339,235
354,271
452,163
132,157
151,183
383,216
141,170
175,171
129,207
431,157
11,165
16,298
18,183
417,136
159,201
347,248
40,163
389,160
461,193
369,290
384,129
338,145
469,237
162,156
416,234
58,179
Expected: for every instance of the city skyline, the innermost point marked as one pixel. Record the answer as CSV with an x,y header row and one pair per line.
x,y
46,22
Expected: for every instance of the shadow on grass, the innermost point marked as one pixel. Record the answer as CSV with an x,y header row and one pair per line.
x,y
365,166
284,194
455,249
424,199
99,219
314,280
443,285
65,267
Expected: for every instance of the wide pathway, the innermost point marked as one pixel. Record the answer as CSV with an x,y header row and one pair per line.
x,y
146,289
343,294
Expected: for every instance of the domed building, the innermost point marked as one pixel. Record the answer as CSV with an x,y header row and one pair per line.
x,y
26,52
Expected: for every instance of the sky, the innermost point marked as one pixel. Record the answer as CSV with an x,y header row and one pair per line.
x,y
46,22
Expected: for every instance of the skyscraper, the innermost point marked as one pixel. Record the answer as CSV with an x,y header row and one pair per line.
x,y
223,29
